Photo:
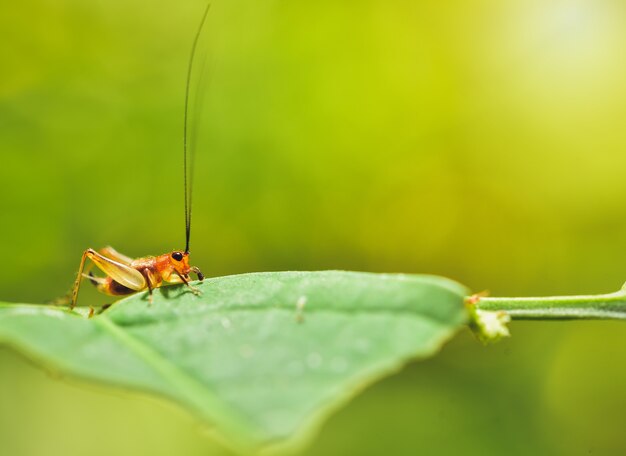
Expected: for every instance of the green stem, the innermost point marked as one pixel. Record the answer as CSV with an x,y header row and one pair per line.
x,y
606,306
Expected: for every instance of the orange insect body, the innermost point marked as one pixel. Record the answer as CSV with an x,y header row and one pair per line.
x,y
125,275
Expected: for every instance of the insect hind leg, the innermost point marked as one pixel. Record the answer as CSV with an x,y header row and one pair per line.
x,y
121,279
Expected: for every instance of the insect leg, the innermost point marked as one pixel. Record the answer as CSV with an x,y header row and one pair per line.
x,y
146,274
113,254
94,279
78,279
198,273
120,273
193,289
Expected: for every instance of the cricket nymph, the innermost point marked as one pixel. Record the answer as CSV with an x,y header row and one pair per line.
x,y
125,275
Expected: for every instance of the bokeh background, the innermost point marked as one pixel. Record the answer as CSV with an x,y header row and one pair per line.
x,y
481,140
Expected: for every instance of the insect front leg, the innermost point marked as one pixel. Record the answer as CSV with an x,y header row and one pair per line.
x,y
193,289
198,272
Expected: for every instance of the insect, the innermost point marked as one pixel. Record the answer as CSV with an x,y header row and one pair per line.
x,y
124,275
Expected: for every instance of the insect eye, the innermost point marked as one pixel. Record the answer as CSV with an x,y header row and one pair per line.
x,y
177,256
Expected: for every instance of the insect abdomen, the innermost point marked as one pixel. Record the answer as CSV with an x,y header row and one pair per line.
x,y
113,288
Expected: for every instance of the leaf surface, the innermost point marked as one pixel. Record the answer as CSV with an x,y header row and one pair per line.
x,y
260,357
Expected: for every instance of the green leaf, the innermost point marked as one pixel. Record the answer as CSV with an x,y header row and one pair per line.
x,y
262,357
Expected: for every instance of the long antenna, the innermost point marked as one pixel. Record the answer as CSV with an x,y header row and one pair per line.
x,y
188,188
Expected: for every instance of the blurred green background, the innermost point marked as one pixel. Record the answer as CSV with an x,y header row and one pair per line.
x,y
481,140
